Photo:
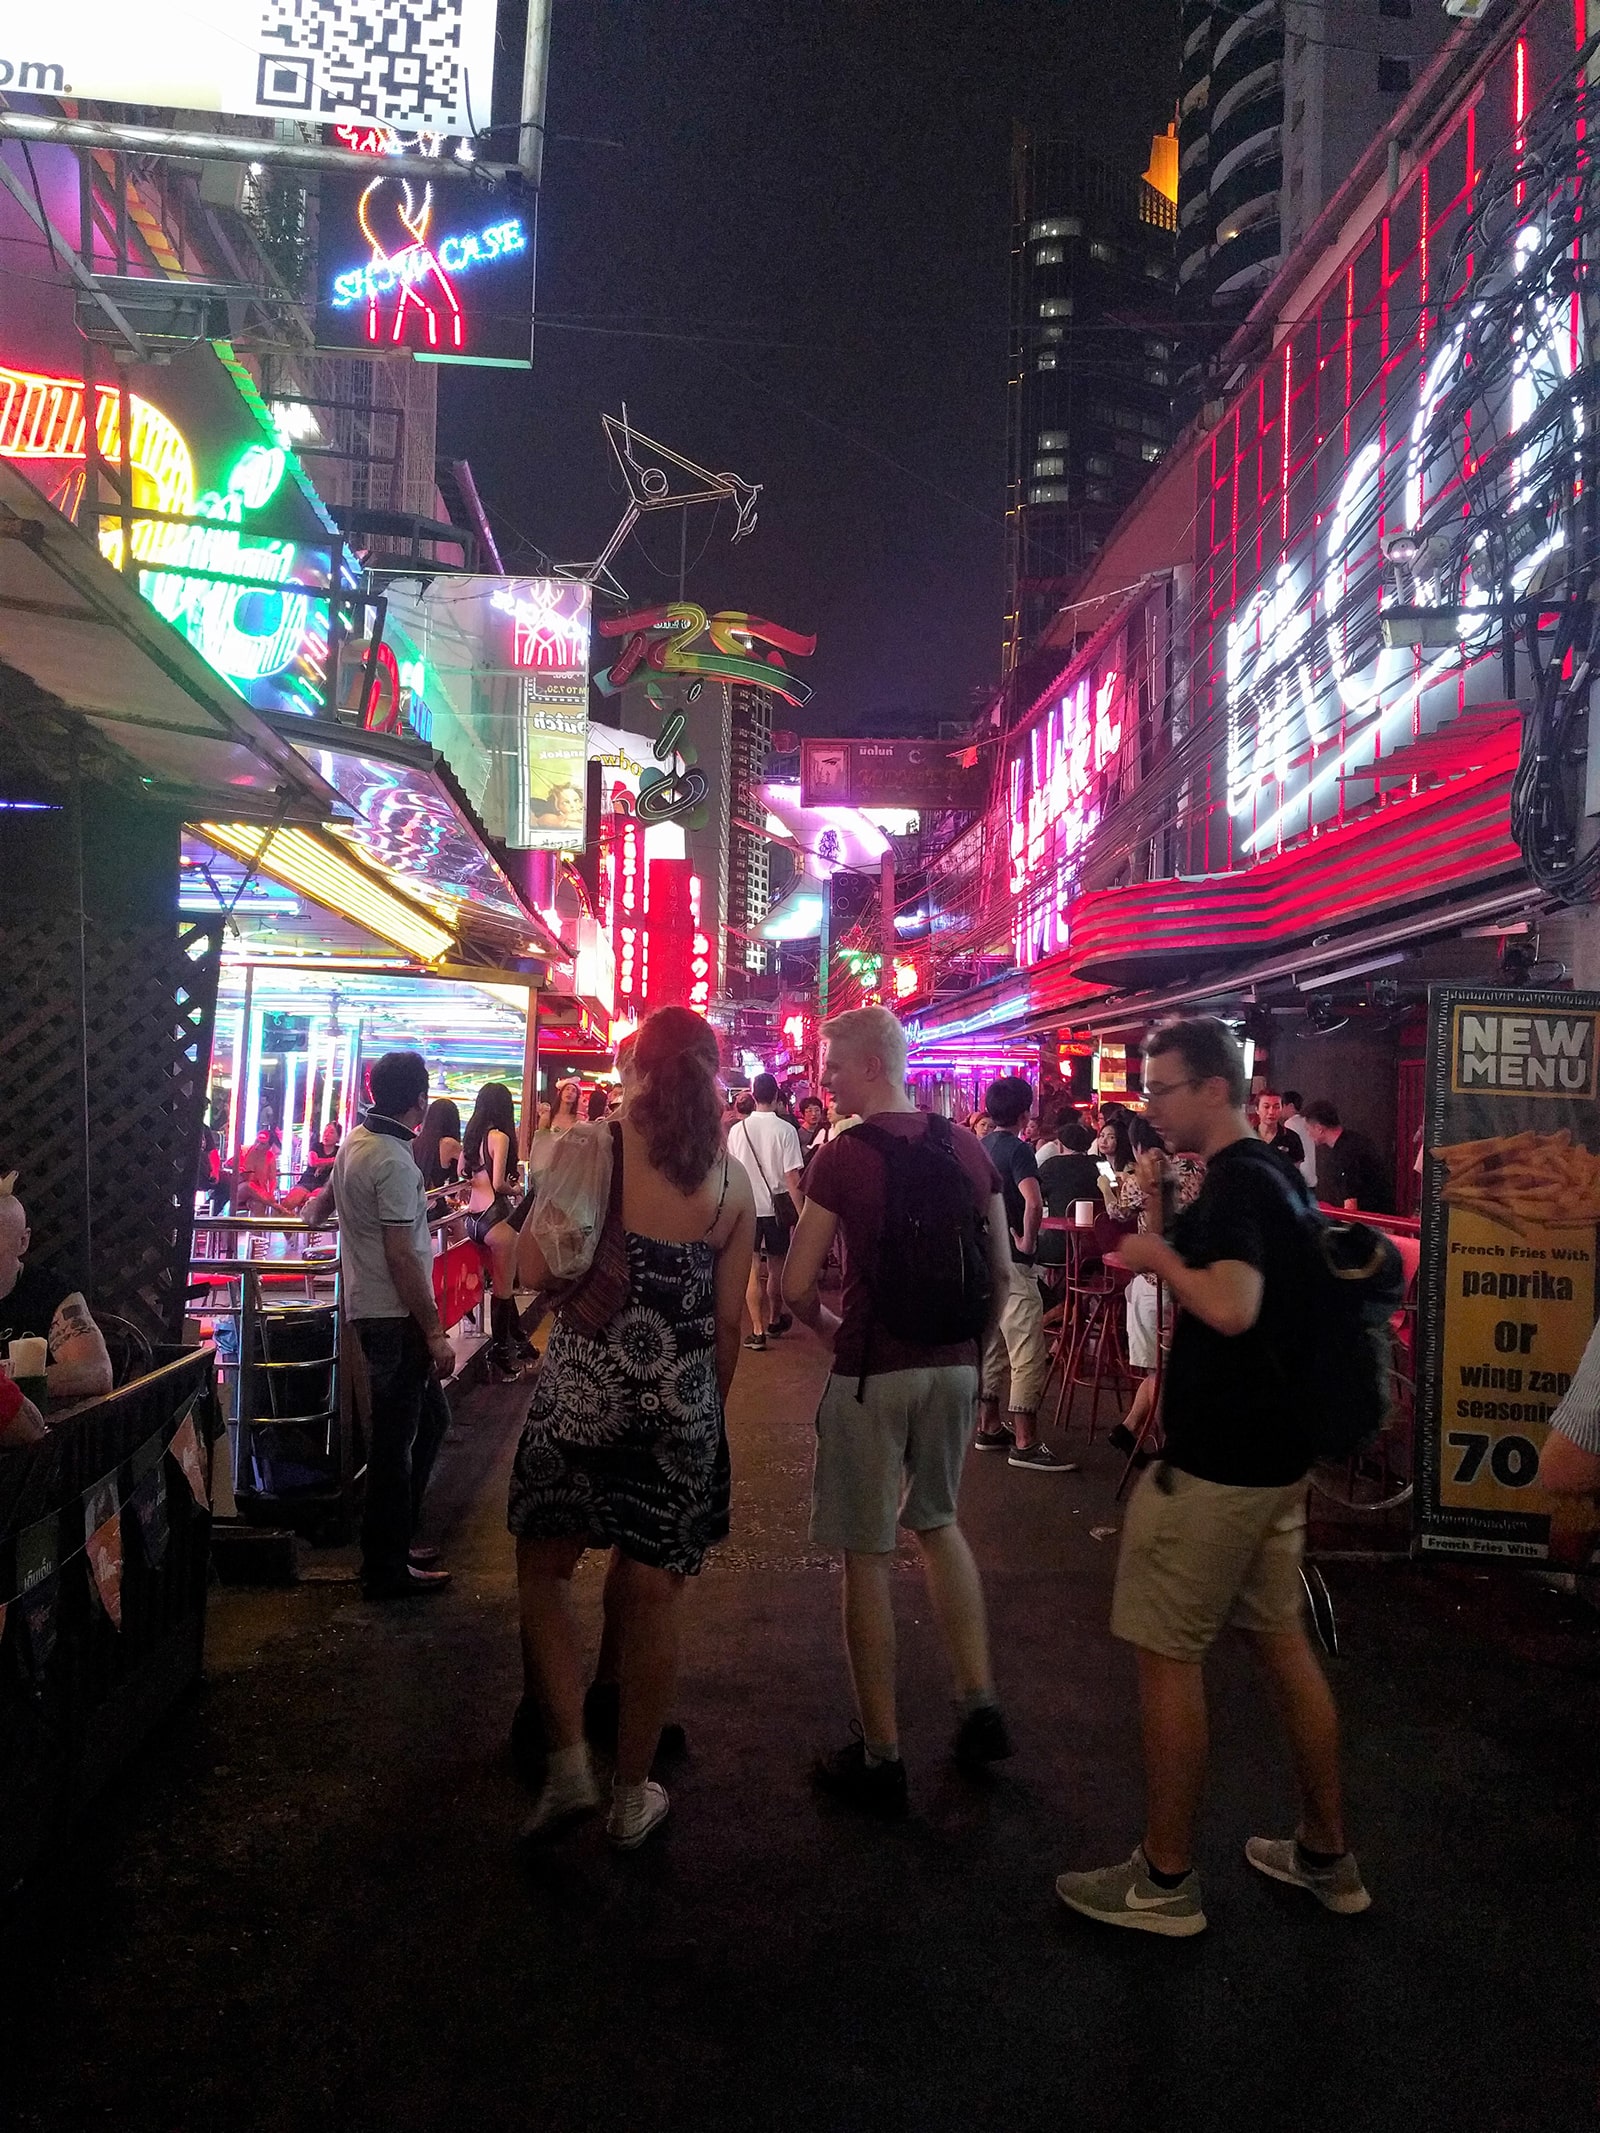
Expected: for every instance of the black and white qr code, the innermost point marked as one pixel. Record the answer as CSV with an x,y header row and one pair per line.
x,y
395,60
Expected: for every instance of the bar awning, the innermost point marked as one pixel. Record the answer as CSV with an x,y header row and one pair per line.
x,y
81,633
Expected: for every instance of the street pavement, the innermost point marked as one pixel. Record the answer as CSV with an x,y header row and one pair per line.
x,y
303,1907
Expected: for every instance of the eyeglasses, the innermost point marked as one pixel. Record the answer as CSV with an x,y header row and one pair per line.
x,y
1155,1090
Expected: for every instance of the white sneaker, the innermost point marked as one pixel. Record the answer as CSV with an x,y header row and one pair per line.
x,y
635,1811
563,1800
1337,1888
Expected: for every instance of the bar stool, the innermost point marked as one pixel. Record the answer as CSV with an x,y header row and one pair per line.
x,y
1093,1317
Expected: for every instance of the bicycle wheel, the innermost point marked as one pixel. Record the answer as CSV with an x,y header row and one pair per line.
x,y
1379,1476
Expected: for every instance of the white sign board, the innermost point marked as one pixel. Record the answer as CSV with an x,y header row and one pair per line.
x,y
426,64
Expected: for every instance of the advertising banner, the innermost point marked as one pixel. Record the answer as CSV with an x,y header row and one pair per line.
x,y
931,776
1511,1204
415,63
495,673
443,270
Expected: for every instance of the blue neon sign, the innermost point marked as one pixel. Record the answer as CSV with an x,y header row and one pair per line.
x,y
455,255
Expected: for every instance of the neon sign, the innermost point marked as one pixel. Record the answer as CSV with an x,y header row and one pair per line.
x,y
244,631
1058,784
233,595
1278,715
404,272
543,637
660,638
410,265
41,418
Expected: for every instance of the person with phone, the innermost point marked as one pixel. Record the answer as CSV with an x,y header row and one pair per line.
x,y
767,1147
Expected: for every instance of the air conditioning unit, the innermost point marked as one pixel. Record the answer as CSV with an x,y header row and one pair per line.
x,y
158,309
1468,10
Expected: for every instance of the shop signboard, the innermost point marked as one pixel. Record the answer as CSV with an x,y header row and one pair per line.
x,y
495,673
931,777
238,552
423,63
444,271
1508,1297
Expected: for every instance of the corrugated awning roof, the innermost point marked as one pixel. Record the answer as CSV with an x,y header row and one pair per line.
x,y
82,633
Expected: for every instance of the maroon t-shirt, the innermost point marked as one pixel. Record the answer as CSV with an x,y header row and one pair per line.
x,y
847,1178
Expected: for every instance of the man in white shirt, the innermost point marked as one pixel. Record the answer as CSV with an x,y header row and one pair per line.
x,y
386,1261
1297,1125
768,1148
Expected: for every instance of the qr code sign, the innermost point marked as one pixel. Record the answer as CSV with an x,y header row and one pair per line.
x,y
400,60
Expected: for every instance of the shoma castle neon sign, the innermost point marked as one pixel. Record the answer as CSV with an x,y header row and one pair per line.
x,y
455,255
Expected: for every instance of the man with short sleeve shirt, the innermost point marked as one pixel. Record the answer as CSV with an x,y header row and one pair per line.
x,y
895,1418
1017,1346
386,1262
1350,1172
767,1147
1214,1534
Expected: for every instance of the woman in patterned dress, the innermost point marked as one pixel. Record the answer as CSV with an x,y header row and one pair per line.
x,y
624,1445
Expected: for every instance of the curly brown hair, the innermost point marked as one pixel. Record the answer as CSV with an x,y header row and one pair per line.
x,y
676,1106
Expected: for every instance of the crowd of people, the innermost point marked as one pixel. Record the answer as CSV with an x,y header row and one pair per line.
x,y
913,1248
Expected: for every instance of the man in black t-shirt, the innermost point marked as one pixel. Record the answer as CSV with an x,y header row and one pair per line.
x,y
1350,1171
34,1302
1017,1346
1214,1534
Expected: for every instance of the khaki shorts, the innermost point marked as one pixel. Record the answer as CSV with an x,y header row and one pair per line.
x,y
892,1458
1198,1555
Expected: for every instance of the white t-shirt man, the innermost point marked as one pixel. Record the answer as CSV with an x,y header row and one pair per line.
x,y
767,1146
1308,1165
376,1184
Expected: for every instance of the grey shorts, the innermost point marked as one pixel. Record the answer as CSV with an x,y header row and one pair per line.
x,y
892,1458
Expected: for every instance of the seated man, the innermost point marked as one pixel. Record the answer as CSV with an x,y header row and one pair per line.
x,y
35,1301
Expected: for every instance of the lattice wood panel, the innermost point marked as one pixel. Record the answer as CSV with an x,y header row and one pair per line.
x,y
151,999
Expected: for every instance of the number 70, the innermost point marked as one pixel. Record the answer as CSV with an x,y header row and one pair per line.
x,y
1513,1461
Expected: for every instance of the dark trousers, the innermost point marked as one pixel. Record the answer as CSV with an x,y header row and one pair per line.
x,y
409,1418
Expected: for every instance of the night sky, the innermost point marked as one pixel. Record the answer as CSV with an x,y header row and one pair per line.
x,y
793,264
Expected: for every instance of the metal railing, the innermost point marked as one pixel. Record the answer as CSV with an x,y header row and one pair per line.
x,y
267,1314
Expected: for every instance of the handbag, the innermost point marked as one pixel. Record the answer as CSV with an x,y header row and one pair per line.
x,y
593,1300
784,1211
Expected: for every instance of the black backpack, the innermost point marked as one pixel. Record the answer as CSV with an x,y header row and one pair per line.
x,y
932,1285
1358,1282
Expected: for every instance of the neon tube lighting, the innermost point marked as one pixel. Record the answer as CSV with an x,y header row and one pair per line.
x,y
301,861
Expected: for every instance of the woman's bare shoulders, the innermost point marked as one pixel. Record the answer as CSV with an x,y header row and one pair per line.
x,y
653,1206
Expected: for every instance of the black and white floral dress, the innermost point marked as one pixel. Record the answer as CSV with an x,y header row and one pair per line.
x,y
624,1442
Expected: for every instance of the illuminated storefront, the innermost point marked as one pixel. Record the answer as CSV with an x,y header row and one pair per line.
x,y
1282,765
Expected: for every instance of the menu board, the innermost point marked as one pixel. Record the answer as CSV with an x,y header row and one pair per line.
x,y
1511,1205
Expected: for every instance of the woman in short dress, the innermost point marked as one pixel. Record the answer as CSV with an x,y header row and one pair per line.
x,y
624,1444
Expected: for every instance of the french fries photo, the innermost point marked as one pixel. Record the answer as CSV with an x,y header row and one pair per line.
x,y
1526,1181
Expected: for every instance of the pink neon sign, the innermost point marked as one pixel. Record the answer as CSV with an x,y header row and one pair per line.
x,y
1058,782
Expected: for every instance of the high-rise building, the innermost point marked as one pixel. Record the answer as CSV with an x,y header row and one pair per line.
x,y
1276,102
1091,352
749,887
